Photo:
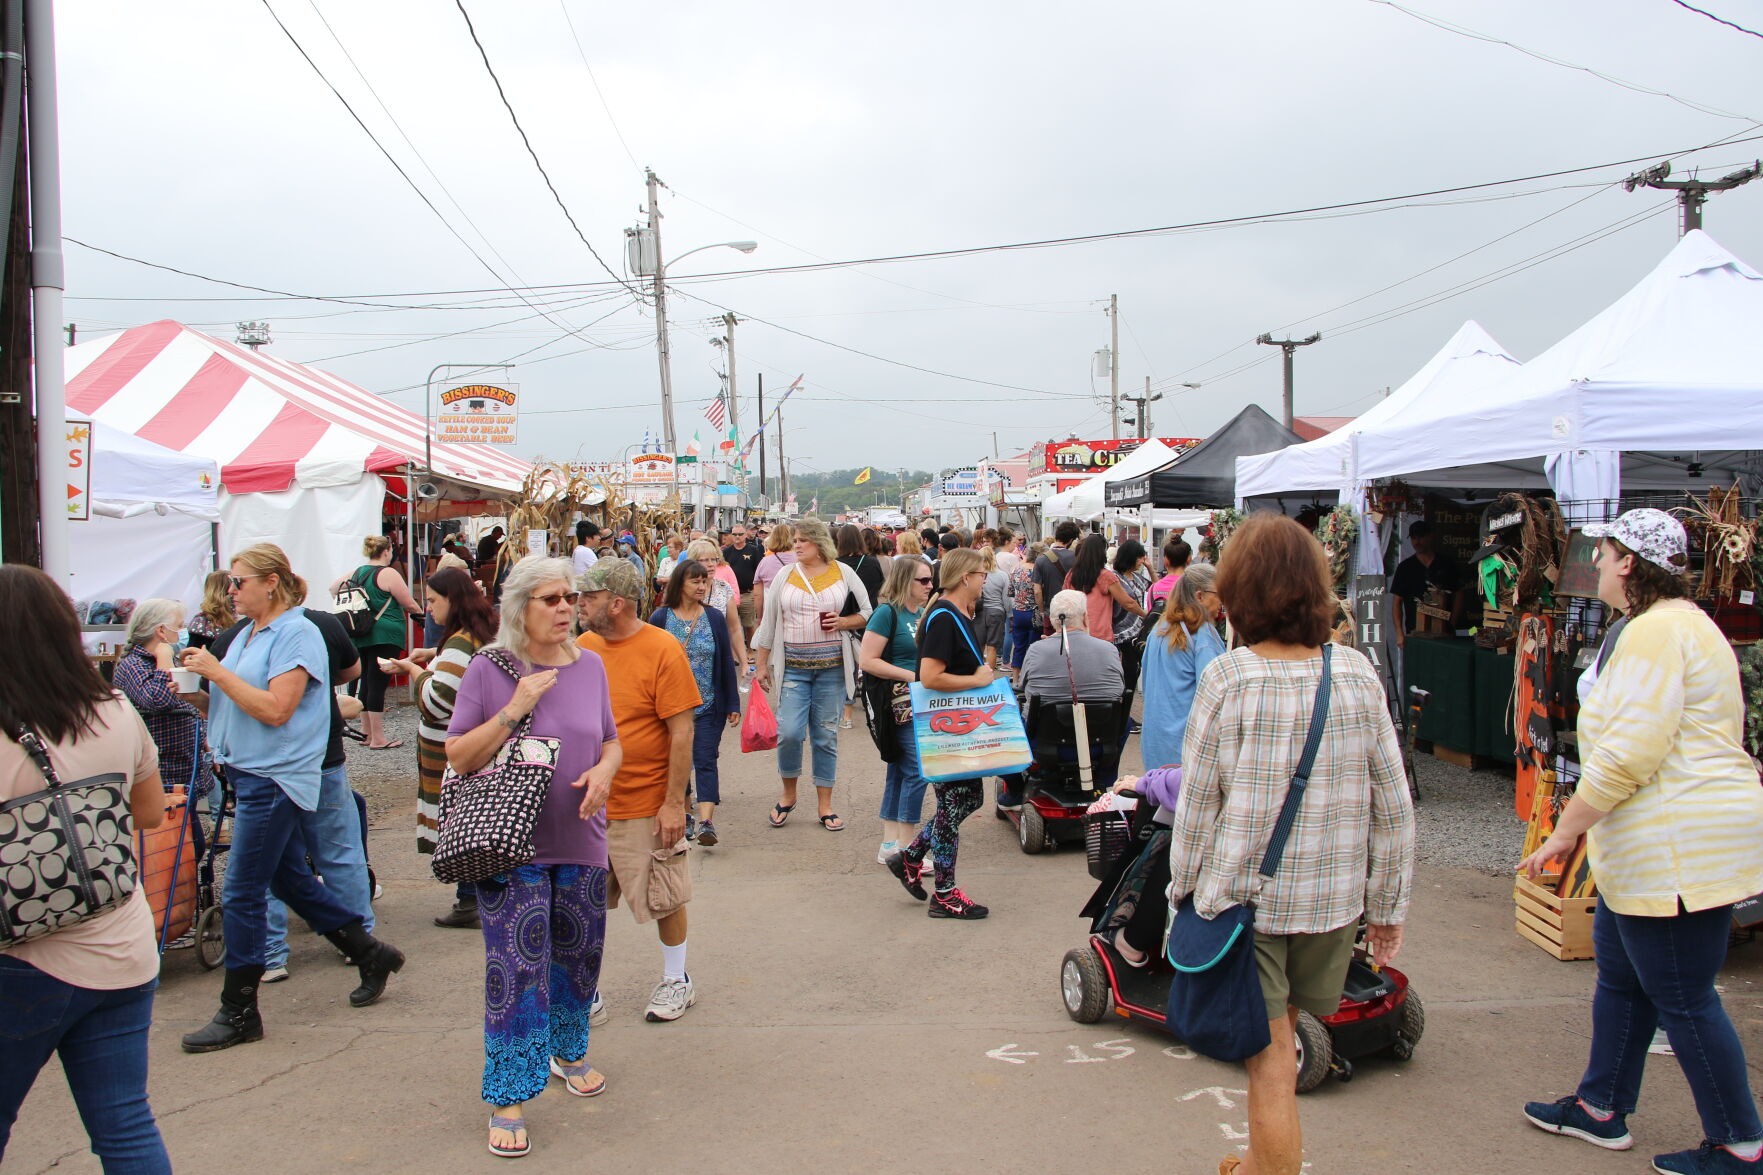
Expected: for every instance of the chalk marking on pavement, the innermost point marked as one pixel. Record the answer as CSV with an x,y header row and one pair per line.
x,y
1217,1092
1079,1057
1004,1053
1180,1052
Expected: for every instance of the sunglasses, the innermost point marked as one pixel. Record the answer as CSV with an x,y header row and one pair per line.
x,y
238,581
555,598
922,579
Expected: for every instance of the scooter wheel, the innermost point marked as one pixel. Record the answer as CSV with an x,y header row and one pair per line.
x,y
1413,1026
1083,985
1031,830
1315,1052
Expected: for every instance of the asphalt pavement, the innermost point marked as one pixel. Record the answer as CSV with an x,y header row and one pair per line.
x,y
837,1027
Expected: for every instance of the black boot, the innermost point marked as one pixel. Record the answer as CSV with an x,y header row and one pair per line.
x,y
463,915
237,1022
375,960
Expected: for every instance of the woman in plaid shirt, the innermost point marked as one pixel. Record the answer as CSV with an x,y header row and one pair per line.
x,y
1351,850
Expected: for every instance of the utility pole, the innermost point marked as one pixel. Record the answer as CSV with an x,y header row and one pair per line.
x,y
1114,366
762,437
1144,402
728,339
73,330
783,465
1288,346
1691,193
661,314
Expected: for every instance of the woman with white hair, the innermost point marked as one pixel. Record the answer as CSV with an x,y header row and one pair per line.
x,y
544,923
143,674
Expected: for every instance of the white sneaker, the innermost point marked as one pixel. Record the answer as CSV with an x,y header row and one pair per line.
x,y
888,849
671,999
597,1013
274,975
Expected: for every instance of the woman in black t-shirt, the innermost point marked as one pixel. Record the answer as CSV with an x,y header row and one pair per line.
x,y
948,660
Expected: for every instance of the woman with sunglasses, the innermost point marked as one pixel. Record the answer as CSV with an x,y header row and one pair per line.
x,y
890,653
269,723
544,923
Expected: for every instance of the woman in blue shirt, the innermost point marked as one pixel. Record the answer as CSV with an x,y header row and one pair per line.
x,y
702,632
269,721
890,653
1184,642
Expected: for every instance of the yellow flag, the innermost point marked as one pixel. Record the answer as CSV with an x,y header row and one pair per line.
x,y
862,477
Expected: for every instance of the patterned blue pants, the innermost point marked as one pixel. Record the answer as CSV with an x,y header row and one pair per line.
x,y
544,932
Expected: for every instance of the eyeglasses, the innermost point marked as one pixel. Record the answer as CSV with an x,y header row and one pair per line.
x,y
555,598
238,581
922,579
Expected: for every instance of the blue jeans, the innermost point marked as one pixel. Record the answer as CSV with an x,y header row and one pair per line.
x,y
1023,633
810,702
1654,971
706,746
102,1039
331,835
903,795
269,856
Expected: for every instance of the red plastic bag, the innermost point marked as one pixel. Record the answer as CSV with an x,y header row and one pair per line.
x,y
759,727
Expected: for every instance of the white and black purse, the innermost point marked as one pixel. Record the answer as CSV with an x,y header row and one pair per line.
x,y
486,819
67,852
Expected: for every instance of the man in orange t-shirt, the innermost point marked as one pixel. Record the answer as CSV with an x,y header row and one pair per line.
x,y
654,698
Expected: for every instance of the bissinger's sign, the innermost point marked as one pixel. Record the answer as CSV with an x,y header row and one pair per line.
x,y
476,413
1095,456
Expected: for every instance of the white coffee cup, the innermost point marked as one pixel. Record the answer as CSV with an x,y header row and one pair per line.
x,y
185,681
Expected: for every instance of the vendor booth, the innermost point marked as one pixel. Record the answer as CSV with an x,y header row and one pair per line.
x,y
150,532
1656,401
1206,474
302,455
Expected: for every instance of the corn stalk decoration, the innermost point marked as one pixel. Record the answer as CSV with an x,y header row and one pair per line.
x,y
553,495
1729,540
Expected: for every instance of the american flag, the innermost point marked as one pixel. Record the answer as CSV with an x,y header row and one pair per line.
x,y
717,415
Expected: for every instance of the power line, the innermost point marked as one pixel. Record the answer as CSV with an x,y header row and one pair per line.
x,y
528,143
1717,19
604,105
1636,87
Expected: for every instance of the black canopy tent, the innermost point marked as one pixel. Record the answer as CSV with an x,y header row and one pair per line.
x,y
1206,475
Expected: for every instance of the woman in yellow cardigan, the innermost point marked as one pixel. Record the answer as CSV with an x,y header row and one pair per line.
x,y
1670,801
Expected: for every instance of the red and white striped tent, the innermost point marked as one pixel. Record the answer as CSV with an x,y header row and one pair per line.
x,y
302,453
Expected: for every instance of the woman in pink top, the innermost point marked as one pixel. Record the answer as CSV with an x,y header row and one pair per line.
x,y
1091,575
779,554
88,987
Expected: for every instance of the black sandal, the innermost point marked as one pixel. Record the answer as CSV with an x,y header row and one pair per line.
x,y
826,822
780,815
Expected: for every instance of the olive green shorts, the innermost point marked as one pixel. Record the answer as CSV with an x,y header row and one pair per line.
x,y
1305,970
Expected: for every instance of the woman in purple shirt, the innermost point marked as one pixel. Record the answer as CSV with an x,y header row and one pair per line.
x,y
544,923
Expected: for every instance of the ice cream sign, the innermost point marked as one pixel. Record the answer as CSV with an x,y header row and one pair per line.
x,y
478,413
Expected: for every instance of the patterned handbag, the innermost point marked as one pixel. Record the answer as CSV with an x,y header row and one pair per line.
x,y
486,819
67,853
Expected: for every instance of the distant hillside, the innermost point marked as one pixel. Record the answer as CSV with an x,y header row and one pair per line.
x,y
837,494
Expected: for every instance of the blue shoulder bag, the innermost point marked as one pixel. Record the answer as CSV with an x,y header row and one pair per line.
x,y
1215,1004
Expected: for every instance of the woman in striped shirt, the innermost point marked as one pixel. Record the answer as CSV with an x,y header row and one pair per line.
x,y
459,607
1669,802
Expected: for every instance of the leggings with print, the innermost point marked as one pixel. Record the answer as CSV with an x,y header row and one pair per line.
x,y
941,838
544,929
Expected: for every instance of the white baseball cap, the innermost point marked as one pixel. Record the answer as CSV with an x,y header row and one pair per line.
x,y
1654,535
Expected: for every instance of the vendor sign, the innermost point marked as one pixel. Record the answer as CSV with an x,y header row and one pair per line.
x,y
1134,491
79,470
1080,457
478,413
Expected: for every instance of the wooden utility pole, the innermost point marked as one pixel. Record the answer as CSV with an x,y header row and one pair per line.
x,y
1288,346
1114,367
1691,193
762,437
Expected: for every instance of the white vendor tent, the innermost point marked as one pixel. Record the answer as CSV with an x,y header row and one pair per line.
x,y
1663,385
151,530
303,455
1086,501
1469,363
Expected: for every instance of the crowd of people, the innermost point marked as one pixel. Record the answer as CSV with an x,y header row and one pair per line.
x,y
633,669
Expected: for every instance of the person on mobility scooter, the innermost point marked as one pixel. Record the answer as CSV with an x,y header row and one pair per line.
x,y
1075,715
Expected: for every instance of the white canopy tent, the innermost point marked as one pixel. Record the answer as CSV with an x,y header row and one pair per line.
x,y
1662,390
1088,499
1469,362
151,530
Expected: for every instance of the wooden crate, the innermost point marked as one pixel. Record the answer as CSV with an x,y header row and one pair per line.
x,y
1561,926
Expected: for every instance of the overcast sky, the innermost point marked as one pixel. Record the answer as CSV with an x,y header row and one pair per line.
x,y
194,135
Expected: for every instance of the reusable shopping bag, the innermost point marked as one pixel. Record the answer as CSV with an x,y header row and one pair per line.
x,y
1215,1004
969,733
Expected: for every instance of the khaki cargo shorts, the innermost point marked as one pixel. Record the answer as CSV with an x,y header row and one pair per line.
x,y
745,611
655,881
1304,970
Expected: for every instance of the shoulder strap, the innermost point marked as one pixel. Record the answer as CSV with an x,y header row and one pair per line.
x,y
1288,813
500,659
962,629
33,746
1609,643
